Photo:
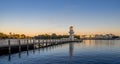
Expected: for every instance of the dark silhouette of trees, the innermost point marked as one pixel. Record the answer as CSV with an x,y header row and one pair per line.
x,y
13,36
53,36
42,36
3,36
115,37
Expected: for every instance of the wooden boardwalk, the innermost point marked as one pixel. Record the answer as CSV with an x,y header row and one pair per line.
x,y
9,46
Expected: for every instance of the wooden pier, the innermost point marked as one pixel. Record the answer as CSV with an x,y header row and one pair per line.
x,y
9,46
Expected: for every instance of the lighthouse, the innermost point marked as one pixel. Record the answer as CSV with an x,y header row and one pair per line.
x,y
71,33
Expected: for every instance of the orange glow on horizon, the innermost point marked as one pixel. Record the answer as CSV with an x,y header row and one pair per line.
x,y
58,33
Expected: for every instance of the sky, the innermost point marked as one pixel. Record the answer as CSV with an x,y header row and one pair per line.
x,y
33,17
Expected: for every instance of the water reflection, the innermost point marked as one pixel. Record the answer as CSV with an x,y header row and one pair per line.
x,y
27,53
20,54
9,57
87,52
71,49
31,52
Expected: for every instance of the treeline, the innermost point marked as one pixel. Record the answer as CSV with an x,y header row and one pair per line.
x,y
13,36
53,36
43,36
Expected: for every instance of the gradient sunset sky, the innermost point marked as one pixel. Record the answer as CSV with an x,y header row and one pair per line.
x,y
34,17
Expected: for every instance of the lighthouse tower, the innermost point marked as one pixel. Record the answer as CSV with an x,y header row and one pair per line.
x,y
71,32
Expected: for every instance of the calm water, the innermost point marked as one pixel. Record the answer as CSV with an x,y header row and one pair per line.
x,y
86,52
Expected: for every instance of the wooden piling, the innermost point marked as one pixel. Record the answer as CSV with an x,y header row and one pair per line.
x,y
33,44
39,43
9,48
46,42
42,43
27,45
19,45
19,48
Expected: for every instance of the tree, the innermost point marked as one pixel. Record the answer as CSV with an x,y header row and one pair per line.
x,y
53,36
